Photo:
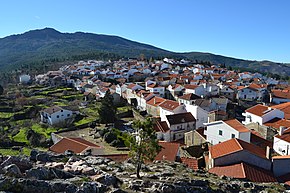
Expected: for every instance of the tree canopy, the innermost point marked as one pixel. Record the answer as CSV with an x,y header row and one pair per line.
x,y
107,111
143,144
1,90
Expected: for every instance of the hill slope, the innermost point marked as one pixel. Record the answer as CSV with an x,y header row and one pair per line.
x,y
44,46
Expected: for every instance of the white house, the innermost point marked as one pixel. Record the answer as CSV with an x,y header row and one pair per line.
x,y
228,92
247,93
55,115
188,99
211,89
130,91
175,90
261,114
220,131
170,107
142,97
195,89
281,143
199,114
24,78
174,126
154,88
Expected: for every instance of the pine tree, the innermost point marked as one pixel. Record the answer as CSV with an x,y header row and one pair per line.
x,y
107,111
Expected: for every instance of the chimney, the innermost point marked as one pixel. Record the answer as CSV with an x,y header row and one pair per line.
x,y
281,130
154,100
268,152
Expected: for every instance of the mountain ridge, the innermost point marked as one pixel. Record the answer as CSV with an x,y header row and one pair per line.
x,y
48,45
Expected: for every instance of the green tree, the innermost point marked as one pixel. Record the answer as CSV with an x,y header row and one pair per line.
x,y
107,111
1,90
143,145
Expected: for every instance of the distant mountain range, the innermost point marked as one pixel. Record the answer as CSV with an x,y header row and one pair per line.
x,y
37,48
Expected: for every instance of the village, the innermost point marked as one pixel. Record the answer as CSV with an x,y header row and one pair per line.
x,y
208,117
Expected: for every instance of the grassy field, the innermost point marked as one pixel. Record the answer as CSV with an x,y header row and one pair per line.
x,y
44,131
6,115
21,135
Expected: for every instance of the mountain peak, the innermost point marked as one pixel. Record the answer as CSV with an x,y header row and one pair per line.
x,y
45,33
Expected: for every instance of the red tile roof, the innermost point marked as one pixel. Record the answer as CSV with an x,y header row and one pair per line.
x,y
190,162
285,107
234,123
285,136
77,145
259,110
257,86
168,152
189,96
285,94
155,101
169,105
161,126
233,146
244,171
190,86
276,123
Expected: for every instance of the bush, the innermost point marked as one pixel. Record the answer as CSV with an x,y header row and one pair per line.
x,y
110,136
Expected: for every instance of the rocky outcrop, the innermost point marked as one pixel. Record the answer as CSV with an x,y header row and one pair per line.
x,y
47,173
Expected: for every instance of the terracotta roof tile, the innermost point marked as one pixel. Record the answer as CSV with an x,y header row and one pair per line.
x,y
190,162
190,96
285,136
257,86
155,101
169,105
77,145
234,123
244,171
168,152
285,107
285,94
161,126
259,110
190,86
235,145
276,123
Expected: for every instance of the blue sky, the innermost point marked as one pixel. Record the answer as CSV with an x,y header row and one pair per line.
x,y
247,29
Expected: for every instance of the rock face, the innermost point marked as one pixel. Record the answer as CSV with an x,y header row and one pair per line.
x,y
47,173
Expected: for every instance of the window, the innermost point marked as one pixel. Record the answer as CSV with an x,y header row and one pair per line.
x,y
220,132
233,136
61,110
57,116
68,115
